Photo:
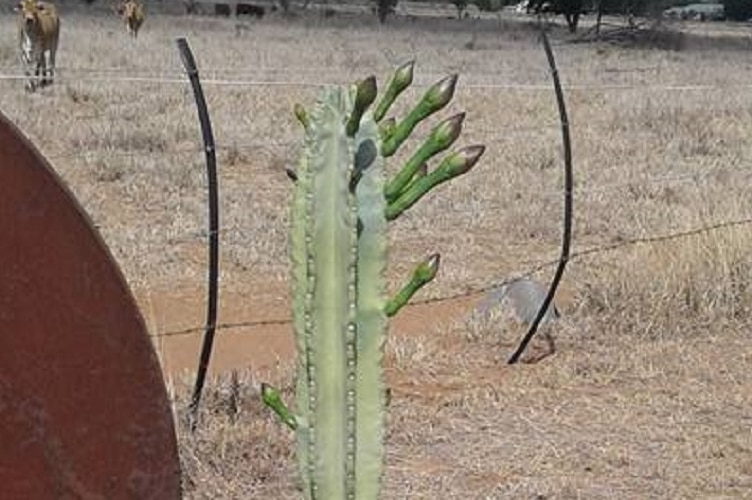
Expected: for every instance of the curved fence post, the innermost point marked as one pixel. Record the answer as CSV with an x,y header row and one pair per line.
x,y
211,170
568,204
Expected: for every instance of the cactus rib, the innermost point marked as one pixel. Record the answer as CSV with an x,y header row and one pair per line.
x,y
372,250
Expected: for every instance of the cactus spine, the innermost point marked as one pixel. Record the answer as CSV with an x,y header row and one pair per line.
x,y
338,247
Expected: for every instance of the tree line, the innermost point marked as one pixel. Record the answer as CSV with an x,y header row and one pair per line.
x,y
733,10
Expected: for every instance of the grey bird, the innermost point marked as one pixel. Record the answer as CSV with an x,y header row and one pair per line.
x,y
525,296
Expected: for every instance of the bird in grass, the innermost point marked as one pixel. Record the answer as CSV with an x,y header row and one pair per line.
x,y
525,297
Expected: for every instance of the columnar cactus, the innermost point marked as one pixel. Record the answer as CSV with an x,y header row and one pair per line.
x,y
338,247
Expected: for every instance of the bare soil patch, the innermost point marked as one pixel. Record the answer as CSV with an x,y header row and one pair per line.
x,y
172,316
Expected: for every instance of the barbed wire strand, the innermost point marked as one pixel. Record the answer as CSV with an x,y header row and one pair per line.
x,y
193,236
478,205
601,189
487,288
179,79
499,134
263,144
124,154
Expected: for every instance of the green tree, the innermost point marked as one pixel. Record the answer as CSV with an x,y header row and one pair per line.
x,y
491,5
737,10
384,8
461,5
625,7
570,9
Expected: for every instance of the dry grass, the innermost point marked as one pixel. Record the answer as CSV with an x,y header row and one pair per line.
x,y
648,394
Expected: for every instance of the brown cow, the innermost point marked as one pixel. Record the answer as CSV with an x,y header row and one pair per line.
x,y
133,15
38,34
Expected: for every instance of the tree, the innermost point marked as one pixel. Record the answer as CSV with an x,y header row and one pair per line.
x,y
570,9
461,6
491,5
737,10
627,8
384,8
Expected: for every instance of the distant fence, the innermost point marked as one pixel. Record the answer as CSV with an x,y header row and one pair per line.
x,y
229,77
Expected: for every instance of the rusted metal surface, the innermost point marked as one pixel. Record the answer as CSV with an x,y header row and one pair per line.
x,y
83,406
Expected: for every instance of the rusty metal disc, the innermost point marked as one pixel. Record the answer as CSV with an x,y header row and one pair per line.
x,y
83,407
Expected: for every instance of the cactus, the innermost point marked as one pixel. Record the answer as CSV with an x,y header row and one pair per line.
x,y
338,246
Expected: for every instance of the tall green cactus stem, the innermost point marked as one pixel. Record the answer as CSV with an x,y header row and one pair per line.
x,y
432,101
338,247
339,226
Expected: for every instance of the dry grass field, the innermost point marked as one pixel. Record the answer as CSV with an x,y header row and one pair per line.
x,y
649,391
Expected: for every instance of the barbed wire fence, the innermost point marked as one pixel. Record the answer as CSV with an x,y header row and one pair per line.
x,y
479,291
246,78
230,78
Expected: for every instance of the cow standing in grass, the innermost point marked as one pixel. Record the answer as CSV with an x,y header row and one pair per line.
x,y
38,33
133,15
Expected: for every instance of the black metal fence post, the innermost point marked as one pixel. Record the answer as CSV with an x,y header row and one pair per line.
x,y
211,170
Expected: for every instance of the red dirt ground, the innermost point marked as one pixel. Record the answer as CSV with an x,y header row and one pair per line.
x,y
238,345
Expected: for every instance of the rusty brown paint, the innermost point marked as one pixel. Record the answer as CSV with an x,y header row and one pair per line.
x,y
83,406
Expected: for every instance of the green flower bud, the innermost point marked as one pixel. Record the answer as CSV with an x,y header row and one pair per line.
x,y
365,94
426,270
422,171
462,161
272,399
453,165
402,78
446,132
423,274
386,128
302,115
441,137
441,92
432,101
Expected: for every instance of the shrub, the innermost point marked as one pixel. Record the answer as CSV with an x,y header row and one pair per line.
x,y
737,10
